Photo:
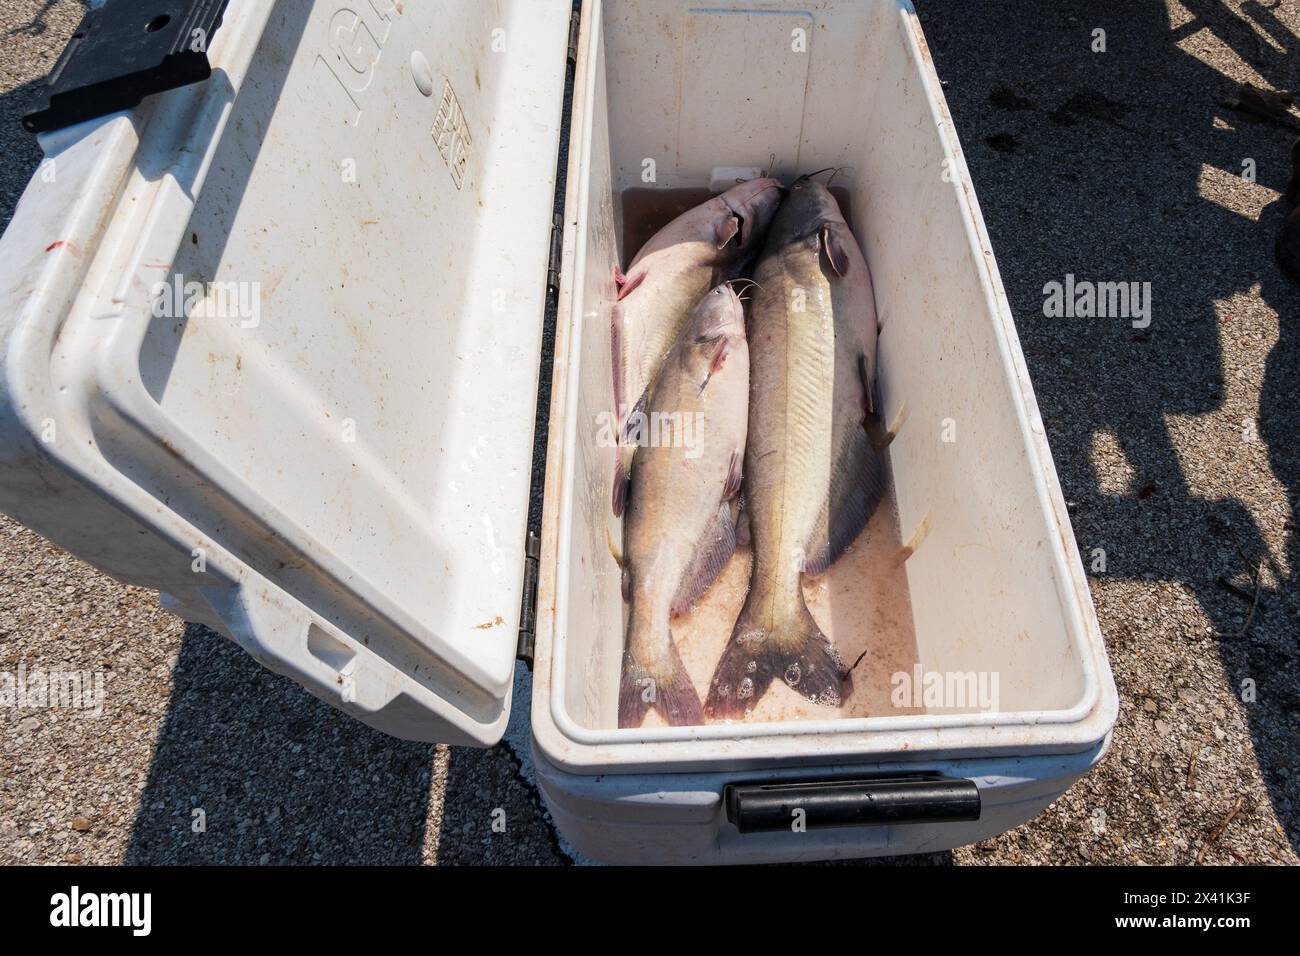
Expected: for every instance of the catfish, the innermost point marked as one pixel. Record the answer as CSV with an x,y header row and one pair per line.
x,y
703,247
679,532
814,468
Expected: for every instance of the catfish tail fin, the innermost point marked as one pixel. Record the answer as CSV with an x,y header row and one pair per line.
x,y
644,688
793,650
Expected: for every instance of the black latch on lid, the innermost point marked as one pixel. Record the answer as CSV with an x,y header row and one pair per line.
x,y
123,51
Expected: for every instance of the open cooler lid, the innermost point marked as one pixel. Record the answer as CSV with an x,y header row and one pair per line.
x,y
271,344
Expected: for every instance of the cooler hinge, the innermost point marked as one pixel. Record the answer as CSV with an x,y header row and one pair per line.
x,y
575,19
123,51
553,263
528,613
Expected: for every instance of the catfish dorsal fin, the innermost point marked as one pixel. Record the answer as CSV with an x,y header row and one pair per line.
x,y
725,229
834,249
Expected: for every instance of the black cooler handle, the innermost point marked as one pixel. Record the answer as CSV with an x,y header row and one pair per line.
x,y
869,801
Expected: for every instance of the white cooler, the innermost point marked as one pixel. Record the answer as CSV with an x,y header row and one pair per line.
x,y
322,447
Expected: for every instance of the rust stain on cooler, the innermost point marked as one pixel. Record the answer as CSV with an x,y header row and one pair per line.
x,y
64,244
920,40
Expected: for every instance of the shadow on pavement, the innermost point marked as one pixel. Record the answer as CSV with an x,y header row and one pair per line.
x,y
280,776
1103,165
